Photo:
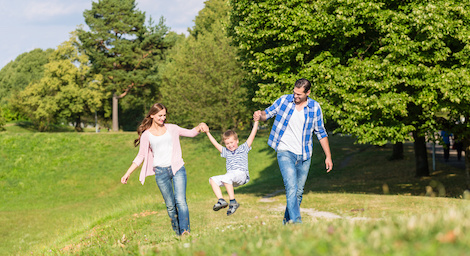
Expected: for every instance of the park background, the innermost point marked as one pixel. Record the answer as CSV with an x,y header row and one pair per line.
x,y
388,75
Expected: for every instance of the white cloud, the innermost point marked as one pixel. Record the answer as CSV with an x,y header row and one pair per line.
x,y
48,10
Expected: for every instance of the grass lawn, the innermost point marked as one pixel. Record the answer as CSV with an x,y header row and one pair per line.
x,y
61,194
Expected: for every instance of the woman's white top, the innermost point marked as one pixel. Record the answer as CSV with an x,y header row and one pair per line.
x,y
162,147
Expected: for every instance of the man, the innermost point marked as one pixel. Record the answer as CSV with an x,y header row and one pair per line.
x,y
446,139
297,117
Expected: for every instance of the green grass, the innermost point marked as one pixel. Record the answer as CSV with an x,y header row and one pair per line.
x,y
61,195
28,127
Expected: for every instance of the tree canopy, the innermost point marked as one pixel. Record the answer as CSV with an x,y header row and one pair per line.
x,y
381,69
26,68
66,92
213,11
202,80
123,48
16,75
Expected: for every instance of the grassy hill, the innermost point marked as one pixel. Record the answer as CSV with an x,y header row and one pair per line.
x,y
61,195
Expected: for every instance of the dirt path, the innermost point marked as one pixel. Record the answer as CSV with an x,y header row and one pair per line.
x,y
269,198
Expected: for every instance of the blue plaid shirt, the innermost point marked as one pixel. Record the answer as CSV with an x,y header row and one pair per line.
x,y
283,109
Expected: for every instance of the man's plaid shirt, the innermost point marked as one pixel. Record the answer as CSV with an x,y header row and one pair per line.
x,y
283,109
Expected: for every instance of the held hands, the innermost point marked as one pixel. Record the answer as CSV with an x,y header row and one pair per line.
x,y
257,115
202,127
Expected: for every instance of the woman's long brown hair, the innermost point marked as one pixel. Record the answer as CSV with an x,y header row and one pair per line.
x,y
147,122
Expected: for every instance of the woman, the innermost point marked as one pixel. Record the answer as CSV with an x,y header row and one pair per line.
x,y
160,151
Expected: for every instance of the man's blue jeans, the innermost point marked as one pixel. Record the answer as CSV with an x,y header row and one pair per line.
x,y
173,189
294,173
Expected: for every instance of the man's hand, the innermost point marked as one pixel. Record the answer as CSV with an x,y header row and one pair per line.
x,y
257,115
328,164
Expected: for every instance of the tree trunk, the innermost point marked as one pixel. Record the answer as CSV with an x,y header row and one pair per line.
x,y
115,113
78,124
421,156
397,153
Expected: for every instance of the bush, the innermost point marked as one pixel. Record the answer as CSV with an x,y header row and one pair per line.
x,y
10,115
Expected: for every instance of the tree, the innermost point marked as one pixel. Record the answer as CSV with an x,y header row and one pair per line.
x,y
26,68
202,79
213,11
123,48
381,69
458,113
67,90
16,75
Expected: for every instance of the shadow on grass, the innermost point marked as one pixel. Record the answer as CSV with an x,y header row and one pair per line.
x,y
364,169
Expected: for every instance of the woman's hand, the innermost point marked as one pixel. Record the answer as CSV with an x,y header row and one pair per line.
x,y
124,178
203,127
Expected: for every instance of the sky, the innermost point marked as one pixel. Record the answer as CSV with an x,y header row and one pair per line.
x,y
29,24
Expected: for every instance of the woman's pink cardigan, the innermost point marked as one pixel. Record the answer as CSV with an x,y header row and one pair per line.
x,y
146,155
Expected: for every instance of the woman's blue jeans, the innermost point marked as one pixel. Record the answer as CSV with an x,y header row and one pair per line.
x,y
173,189
294,174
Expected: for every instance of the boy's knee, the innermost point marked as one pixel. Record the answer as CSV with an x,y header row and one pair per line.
x,y
227,184
212,181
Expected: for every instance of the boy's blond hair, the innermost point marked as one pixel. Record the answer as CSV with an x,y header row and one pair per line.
x,y
229,133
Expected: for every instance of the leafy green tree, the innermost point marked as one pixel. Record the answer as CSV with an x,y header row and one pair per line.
x,y
202,80
16,75
213,11
458,115
381,69
26,68
67,91
124,49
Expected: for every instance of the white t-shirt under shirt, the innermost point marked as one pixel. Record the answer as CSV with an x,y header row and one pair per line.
x,y
162,147
292,138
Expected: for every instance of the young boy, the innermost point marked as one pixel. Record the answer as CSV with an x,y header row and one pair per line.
x,y
236,164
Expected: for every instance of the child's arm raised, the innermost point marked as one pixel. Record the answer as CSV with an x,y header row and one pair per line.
x,y
253,133
213,140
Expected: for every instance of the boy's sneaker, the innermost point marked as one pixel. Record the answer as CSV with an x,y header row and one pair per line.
x,y
219,205
232,208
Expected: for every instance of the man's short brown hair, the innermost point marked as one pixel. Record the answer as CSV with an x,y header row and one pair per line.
x,y
302,82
